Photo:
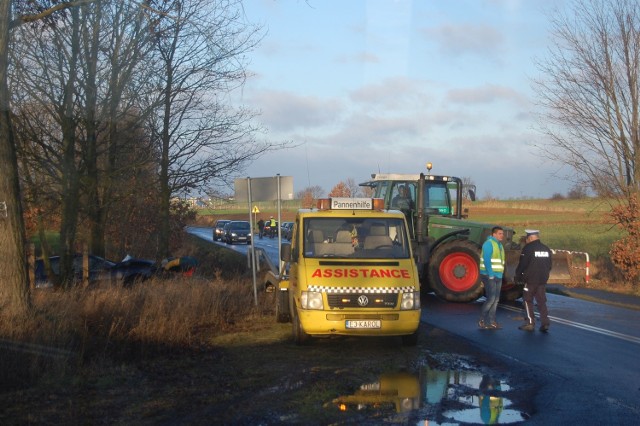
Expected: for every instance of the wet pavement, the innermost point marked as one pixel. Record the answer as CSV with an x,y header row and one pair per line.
x,y
600,296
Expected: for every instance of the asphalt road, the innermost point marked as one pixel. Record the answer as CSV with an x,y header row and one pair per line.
x,y
587,364
270,245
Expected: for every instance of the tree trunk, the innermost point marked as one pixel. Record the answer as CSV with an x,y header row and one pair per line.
x,y
165,191
91,38
70,178
13,265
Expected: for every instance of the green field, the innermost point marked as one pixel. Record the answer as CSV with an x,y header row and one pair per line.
x,y
577,225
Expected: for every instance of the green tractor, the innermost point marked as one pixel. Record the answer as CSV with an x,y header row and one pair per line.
x,y
446,244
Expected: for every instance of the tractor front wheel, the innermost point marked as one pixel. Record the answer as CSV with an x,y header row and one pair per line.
x,y
454,271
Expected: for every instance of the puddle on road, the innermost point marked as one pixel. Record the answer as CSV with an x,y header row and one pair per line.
x,y
434,398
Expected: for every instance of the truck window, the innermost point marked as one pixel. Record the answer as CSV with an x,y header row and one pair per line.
x,y
355,238
403,196
381,190
453,196
437,197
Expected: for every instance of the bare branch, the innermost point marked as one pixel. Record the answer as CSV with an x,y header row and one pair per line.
x,y
25,19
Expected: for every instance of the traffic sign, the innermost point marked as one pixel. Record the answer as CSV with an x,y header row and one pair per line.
x,y
255,209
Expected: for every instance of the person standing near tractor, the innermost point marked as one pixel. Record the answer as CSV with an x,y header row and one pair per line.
x,y
492,260
533,269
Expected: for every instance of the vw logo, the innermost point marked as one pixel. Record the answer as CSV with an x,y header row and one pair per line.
x,y
363,300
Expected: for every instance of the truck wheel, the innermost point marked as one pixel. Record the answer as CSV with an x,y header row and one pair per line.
x,y
282,306
299,335
454,271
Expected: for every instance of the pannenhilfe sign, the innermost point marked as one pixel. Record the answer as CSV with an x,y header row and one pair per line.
x,y
343,203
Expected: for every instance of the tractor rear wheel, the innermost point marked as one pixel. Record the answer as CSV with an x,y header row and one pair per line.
x,y
454,271
510,292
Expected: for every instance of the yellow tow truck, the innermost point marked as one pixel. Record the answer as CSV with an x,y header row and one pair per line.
x,y
349,270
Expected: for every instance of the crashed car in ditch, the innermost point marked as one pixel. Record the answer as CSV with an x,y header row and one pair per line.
x,y
126,272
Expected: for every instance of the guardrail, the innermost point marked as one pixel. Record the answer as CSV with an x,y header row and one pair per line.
x,y
262,258
579,253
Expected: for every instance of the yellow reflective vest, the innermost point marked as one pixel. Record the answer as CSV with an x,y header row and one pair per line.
x,y
497,258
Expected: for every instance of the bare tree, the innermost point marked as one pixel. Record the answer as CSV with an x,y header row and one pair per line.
x,y
307,195
201,47
115,83
590,90
354,189
468,188
112,104
50,82
12,232
13,273
315,192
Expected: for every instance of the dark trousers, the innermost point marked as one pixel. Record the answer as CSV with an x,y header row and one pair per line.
x,y
538,293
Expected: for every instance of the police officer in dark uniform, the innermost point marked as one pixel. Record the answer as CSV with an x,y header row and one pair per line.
x,y
533,269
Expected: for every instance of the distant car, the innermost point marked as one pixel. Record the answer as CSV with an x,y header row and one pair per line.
x,y
218,229
128,271
286,230
270,231
237,231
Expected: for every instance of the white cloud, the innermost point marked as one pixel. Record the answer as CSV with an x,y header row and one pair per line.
x,y
285,111
466,38
486,94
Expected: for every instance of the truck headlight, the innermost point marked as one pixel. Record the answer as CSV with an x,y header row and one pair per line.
x,y
311,300
410,300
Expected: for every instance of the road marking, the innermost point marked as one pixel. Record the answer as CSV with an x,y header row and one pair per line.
x,y
586,327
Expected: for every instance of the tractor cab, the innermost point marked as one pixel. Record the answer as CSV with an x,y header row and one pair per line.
x,y
442,195
438,195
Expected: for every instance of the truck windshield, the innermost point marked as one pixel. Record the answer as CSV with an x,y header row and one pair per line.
x,y
437,198
356,238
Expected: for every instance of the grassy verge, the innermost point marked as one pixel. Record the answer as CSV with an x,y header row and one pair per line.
x,y
71,332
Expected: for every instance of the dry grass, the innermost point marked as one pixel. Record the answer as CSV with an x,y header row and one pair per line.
x,y
81,328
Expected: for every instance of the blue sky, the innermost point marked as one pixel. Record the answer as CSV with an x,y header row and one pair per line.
x,y
363,86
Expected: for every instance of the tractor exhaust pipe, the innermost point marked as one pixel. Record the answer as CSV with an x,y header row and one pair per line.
x,y
420,213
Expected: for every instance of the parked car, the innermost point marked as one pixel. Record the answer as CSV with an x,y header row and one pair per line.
x,y
237,231
218,229
127,272
286,230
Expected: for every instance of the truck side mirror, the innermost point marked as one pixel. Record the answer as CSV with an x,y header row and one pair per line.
x,y
285,252
472,195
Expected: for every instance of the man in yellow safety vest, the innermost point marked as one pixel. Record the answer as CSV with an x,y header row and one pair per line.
x,y
492,260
